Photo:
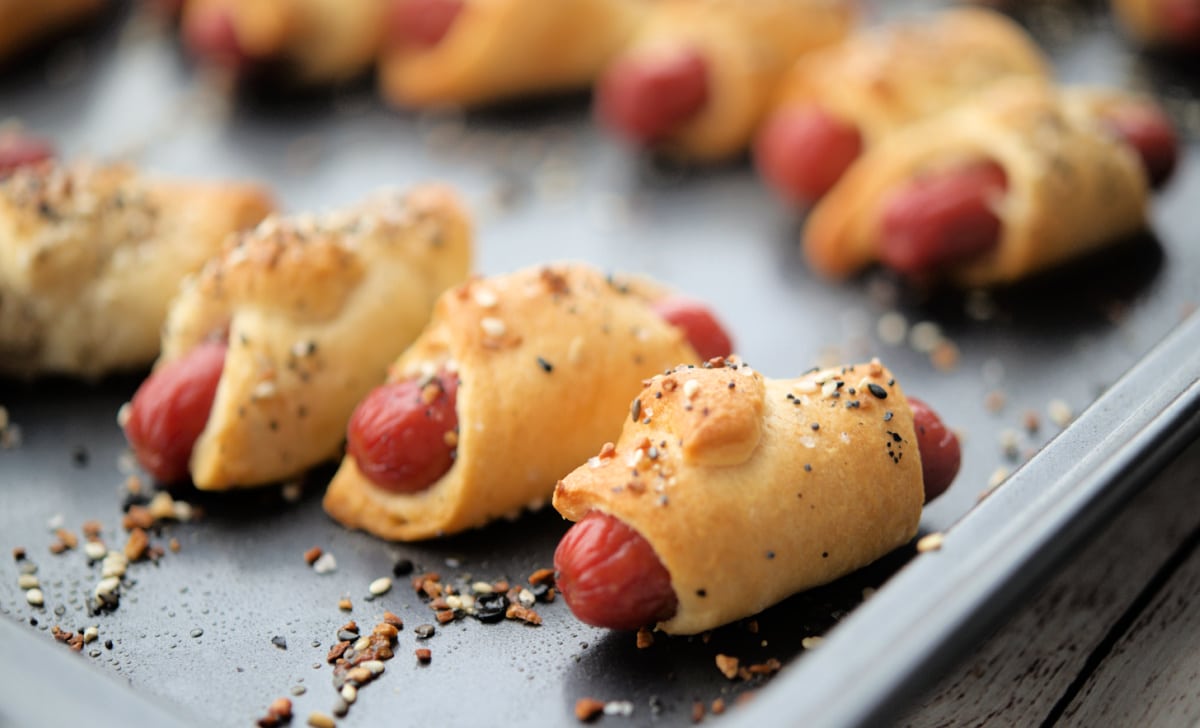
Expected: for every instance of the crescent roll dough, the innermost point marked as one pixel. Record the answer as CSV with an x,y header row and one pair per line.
x,y
500,49
887,78
1072,187
90,257
751,489
314,310
748,46
25,22
547,360
321,41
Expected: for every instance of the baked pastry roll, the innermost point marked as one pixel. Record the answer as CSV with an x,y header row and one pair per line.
x,y
1023,178
699,75
741,490
837,101
457,53
91,255
25,22
515,380
267,351
316,41
1171,24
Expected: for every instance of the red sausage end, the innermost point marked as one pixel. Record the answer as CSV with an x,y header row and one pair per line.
x,y
170,410
610,576
422,23
403,435
646,98
706,335
22,150
802,151
944,218
1148,130
212,37
940,451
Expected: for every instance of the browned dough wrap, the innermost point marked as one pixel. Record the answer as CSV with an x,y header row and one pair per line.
x,y
547,360
751,489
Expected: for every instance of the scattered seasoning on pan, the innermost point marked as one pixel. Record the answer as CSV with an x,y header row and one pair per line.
x,y
279,641
587,709
18,553
718,706
812,643
697,711
311,556
930,542
424,655
34,597
402,567
1059,412
945,356
728,665
345,604
994,401
325,564
320,720
380,586
645,638
1030,421
424,631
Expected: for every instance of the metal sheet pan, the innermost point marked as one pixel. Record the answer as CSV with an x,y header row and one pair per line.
x,y
193,637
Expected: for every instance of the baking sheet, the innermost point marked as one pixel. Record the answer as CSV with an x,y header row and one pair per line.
x,y
545,185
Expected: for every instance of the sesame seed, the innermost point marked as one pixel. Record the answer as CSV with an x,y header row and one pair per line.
x,y
91,634
325,564
1059,412
349,693
925,336
34,597
485,298
95,550
811,643
320,720
930,542
892,328
264,390
27,582
691,388
492,326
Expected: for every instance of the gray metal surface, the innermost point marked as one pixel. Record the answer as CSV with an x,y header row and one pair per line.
x,y
545,185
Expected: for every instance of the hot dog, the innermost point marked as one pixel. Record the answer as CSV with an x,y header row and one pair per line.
x,y
310,41
839,101
422,23
20,150
1166,24
403,436
698,77
802,152
611,574
1181,18
950,216
170,409
647,98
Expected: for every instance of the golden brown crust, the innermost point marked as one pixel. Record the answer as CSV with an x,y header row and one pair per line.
x,y
1143,20
90,257
547,358
882,80
1072,187
314,309
321,41
748,47
501,49
23,23
751,489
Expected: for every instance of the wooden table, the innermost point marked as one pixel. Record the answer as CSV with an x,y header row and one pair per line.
x,y
1112,640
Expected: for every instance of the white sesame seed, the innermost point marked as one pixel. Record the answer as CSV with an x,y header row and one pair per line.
x,y
292,491
454,601
94,550
622,708
123,415
811,643
90,634
161,506
325,564
349,693
320,720
492,326
264,390
829,388
892,328
485,298
925,336
183,511
380,586
361,643
526,598
691,388
56,522
108,586
1060,412
999,475
28,581
467,601
482,587
35,597
114,565
375,667
930,542
806,386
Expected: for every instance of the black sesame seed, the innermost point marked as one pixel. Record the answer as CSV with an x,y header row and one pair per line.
x,y
816,426
545,365
701,593
403,567
345,635
887,416
876,390
108,644
770,554
636,409
807,468
488,608
279,641
540,591
824,554
79,456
